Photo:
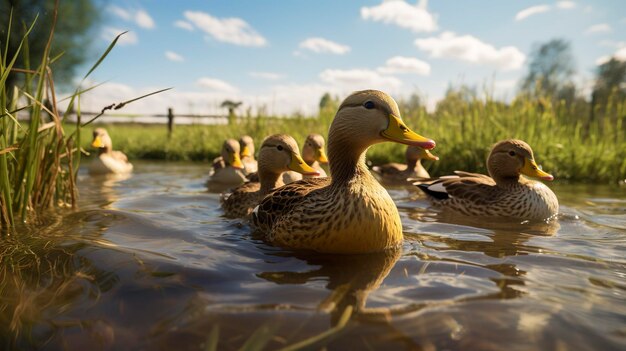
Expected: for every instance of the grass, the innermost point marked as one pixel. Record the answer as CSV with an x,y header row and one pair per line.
x,y
564,140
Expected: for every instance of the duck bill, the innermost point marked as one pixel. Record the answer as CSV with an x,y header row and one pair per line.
x,y
235,161
320,156
97,142
429,156
246,152
532,170
398,131
298,165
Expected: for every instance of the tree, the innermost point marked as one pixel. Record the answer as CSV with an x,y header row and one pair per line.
x,y
610,86
328,103
231,106
73,33
550,70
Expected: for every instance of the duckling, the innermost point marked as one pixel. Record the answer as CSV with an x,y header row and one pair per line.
x,y
397,173
247,154
278,153
349,212
504,193
108,160
227,170
313,154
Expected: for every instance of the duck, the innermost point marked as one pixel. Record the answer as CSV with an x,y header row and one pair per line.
x,y
247,154
349,212
109,161
505,192
397,173
313,154
279,153
227,170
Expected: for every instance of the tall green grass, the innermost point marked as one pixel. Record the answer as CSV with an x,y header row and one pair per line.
x,y
565,141
39,158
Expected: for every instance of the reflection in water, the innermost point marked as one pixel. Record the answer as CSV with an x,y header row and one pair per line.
x,y
147,262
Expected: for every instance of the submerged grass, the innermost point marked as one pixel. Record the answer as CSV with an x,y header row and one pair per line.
x,y
564,140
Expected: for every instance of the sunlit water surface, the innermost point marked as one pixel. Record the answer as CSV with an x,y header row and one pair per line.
x,y
148,263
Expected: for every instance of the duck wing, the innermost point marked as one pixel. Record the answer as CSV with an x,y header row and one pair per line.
x,y
477,188
282,200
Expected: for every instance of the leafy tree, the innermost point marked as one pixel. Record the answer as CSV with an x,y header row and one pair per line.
x,y
328,103
550,70
76,20
231,106
610,86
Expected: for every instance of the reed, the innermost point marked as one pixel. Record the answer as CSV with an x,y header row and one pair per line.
x,y
39,158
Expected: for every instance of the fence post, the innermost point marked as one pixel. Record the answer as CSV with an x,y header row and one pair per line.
x,y
170,121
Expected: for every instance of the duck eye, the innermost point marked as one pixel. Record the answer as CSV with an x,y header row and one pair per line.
x,y
511,153
369,105
279,147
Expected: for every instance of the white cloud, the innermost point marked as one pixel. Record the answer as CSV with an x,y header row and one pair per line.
x,y
471,49
416,18
229,30
566,5
120,12
216,85
172,56
267,75
321,45
619,55
359,79
598,28
140,17
533,10
400,64
184,25
129,38
143,19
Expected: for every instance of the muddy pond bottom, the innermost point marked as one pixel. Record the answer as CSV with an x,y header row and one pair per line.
x,y
148,263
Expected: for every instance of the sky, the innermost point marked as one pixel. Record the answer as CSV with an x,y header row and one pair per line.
x,y
282,56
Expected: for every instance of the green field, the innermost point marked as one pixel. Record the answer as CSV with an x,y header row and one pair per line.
x,y
566,143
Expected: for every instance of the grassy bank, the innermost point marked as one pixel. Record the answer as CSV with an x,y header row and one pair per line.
x,y
568,145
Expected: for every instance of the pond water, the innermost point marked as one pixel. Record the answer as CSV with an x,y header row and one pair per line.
x,y
148,263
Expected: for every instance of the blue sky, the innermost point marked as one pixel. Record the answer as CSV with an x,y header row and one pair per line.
x,y
283,55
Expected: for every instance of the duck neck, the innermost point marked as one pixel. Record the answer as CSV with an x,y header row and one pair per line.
x,y
412,164
346,161
105,150
506,182
269,180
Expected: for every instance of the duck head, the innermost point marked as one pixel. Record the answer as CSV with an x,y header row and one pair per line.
x,y
510,158
230,153
313,149
247,146
415,153
102,140
279,153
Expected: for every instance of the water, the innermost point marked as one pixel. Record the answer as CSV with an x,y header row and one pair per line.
x,y
147,263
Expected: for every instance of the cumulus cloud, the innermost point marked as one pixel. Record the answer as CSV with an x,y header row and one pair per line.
x,y
566,5
358,79
172,56
619,55
413,17
401,64
229,30
533,10
216,85
129,38
267,75
471,49
139,17
321,45
143,19
184,25
598,28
